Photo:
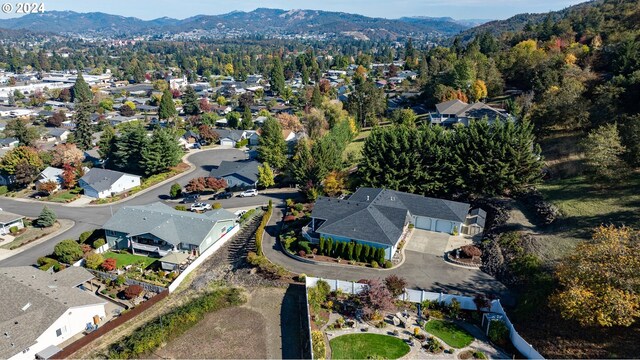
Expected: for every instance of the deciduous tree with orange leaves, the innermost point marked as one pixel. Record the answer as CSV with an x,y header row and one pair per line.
x,y
600,281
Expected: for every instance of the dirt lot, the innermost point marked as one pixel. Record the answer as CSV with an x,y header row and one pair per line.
x,y
221,335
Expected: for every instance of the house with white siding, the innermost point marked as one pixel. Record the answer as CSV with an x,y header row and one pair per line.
x,y
102,183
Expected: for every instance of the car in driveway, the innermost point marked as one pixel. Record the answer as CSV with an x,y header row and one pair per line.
x,y
249,193
190,198
223,195
200,207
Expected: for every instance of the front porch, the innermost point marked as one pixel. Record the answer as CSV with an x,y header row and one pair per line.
x,y
150,246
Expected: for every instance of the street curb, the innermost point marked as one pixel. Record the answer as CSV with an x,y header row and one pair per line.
x,y
64,227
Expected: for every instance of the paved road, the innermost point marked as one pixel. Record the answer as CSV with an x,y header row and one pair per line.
x,y
422,270
92,217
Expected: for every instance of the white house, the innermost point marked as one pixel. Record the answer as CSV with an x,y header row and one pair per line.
x,y
102,183
9,220
49,174
41,310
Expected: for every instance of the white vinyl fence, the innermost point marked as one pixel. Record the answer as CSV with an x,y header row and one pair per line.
x,y
210,251
418,296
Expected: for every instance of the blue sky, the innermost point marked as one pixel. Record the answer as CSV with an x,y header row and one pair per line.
x,y
459,9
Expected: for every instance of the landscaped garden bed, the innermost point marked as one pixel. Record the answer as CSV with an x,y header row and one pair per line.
x,y
30,234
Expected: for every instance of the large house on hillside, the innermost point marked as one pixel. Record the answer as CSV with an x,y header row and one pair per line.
x,y
453,112
41,310
158,229
380,217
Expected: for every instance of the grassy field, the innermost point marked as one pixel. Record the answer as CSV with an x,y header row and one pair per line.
x,y
356,145
365,346
449,332
585,206
123,260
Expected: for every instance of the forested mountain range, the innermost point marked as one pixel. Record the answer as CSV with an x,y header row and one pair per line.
x,y
268,22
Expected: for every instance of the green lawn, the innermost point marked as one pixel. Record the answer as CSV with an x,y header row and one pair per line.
x,y
63,196
364,346
356,145
449,332
585,206
123,260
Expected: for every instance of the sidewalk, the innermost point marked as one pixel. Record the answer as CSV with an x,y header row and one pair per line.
x,y
65,225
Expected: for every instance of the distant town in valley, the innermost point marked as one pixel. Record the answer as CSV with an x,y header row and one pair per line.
x,y
320,185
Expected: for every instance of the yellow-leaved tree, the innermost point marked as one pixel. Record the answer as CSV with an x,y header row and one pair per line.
x,y
600,281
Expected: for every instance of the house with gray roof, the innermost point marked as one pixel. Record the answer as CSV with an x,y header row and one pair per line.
x,y
101,183
49,174
238,174
9,220
380,217
41,310
453,112
158,229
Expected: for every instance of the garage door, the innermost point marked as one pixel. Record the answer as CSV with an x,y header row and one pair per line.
x,y
443,226
423,223
226,142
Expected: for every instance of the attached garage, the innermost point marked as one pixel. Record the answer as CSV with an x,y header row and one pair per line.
x,y
444,226
423,223
227,142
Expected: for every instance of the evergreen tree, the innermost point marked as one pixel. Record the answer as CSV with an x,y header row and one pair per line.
x,y
167,109
350,251
328,248
272,147
190,103
357,255
316,97
26,135
46,218
105,145
321,246
247,120
128,149
277,76
604,150
161,152
80,91
233,119
265,176
83,135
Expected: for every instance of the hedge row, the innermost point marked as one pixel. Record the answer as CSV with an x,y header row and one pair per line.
x,y
263,224
170,326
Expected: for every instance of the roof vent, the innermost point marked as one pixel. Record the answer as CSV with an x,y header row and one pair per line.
x,y
24,308
6,334
367,197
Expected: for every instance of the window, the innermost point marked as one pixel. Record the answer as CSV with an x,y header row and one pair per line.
x,y
59,332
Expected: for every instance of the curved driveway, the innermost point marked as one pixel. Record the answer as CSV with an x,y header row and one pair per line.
x,y
421,270
91,217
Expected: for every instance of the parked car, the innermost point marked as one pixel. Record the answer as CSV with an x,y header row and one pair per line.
x,y
222,195
191,198
197,146
250,192
239,213
200,207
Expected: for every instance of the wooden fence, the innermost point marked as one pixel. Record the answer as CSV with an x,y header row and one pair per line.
x,y
114,323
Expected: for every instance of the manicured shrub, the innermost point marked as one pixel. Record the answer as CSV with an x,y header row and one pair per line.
x,y
321,245
328,248
175,191
357,252
133,291
298,207
3,190
217,205
289,203
319,346
388,264
93,260
68,251
180,208
98,243
85,236
365,253
374,264
13,230
108,264
304,245
350,248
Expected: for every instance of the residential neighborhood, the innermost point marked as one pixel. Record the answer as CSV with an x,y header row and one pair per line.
x,y
395,181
